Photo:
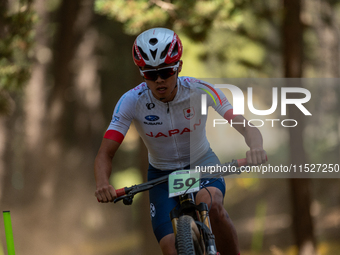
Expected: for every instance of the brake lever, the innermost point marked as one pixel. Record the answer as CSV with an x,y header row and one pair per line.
x,y
129,196
128,200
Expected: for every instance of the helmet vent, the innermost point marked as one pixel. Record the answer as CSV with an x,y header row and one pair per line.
x,y
153,41
175,50
153,53
165,51
143,53
135,54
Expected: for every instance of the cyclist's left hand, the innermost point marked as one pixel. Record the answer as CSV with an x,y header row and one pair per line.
x,y
256,156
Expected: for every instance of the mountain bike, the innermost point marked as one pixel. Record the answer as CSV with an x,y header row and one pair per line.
x,y
190,222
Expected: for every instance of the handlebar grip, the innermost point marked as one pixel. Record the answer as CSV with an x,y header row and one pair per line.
x,y
120,192
242,162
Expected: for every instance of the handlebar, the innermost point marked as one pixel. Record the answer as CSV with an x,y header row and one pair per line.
x,y
242,162
127,193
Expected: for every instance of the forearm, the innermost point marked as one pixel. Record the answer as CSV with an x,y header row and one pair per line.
x,y
102,169
103,161
256,154
253,137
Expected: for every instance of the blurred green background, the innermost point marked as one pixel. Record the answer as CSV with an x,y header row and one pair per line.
x,y
64,65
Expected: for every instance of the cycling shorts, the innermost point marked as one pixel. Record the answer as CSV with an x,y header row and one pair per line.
x,y
161,204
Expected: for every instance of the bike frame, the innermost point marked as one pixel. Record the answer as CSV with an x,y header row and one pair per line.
x,y
200,213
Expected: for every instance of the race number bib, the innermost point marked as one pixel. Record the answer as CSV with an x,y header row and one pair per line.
x,y
183,181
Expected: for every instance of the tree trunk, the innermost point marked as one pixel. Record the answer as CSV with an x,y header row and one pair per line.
x,y
60,136
293,68
149,243
3,145
35,103
3,140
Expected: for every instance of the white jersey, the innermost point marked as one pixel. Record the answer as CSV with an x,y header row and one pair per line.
x,y
173,132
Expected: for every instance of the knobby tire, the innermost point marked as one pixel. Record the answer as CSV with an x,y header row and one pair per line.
x,y
188,240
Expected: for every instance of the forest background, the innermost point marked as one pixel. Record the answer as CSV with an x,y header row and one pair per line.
x,y
64,65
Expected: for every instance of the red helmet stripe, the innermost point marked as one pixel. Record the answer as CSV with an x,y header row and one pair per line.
x,y
139,62
176,57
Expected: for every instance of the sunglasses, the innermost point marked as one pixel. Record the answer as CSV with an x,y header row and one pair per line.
x,y
164,72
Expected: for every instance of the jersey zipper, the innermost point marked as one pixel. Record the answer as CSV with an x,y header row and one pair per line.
x,y
172,127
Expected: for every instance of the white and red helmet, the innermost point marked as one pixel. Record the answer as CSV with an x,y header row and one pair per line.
x,y
157,46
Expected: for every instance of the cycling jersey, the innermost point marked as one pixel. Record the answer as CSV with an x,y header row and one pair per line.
x,y
173,132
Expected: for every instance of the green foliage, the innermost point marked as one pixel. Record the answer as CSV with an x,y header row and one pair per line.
x,y
221,38
16,36
194,18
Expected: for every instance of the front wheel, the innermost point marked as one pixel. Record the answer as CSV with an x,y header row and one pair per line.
x,y
188,239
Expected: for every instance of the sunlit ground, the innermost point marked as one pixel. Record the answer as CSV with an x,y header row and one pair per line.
x,y
130,243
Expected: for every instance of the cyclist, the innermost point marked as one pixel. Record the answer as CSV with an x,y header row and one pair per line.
x,y
165,109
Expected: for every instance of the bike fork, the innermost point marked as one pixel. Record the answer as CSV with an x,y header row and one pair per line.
x,y
210,238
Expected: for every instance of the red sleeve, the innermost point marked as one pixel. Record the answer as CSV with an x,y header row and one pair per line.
x,y
114,135
229,115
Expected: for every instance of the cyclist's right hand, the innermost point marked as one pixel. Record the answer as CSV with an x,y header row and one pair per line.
x,y
105,193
